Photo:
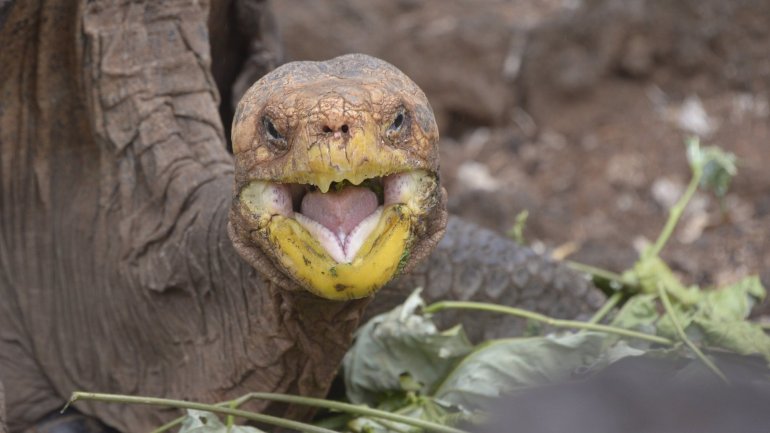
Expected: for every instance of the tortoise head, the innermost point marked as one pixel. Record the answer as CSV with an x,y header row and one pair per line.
x,y
336,181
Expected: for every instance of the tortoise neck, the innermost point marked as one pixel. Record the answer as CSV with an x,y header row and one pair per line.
x,y
313,336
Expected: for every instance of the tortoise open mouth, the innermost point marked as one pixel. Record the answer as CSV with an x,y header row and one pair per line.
x,y
344,217
348,241
336,170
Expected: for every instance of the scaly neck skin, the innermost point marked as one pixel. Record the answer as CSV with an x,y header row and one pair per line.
x,y
235,330
210,330
116,271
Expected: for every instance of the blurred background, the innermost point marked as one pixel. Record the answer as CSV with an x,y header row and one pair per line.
x,y
577,112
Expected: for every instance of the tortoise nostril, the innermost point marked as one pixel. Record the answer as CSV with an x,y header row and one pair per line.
x,y
328,129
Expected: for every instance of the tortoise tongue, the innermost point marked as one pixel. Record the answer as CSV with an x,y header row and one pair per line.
x,y
340,211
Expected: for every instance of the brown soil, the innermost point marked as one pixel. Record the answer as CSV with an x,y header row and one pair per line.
x,y
578,114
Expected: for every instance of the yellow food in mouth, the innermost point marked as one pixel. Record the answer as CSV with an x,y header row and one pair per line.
x,y
350,264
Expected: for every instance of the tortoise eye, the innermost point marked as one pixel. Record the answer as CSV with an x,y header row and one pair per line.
x,y
272,133
275,140
395,131
397,122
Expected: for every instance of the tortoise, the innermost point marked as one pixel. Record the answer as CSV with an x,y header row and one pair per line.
x,y
139,256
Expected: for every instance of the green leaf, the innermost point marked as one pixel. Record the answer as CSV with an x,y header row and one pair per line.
x,y
421,408
650,271
370,425
684,315
374,425
198,421
717,166
644,314
720,318
741,337
639,313
398,350
503,366
733,302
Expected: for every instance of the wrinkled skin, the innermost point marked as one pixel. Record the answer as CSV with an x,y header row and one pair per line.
x,y
116,270
3,422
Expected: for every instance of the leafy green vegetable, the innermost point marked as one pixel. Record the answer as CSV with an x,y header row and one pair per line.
x,y
650,271
401,351
721,318
715,318
639,313
423,409
503,366
733,302
741,337
400,361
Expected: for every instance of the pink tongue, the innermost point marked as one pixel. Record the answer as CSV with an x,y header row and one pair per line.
x,y
341,211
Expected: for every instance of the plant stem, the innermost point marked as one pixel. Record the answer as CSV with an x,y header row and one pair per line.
x,y
232,404
327,404
390,426
267,419
609,305
596,272
169,425
682,336
230,418
676,213
559,323
351,408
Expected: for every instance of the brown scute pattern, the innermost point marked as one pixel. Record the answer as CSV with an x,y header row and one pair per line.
x,y
473,263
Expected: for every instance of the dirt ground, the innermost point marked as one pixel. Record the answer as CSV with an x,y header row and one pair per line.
x,y
578,111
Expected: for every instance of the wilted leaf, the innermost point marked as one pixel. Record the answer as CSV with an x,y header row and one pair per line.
x,y
643,313
684,315
639,313
197,421
741,337
718,167
720,318
370,425
423,409
651,271
503,366
733,302
400,348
